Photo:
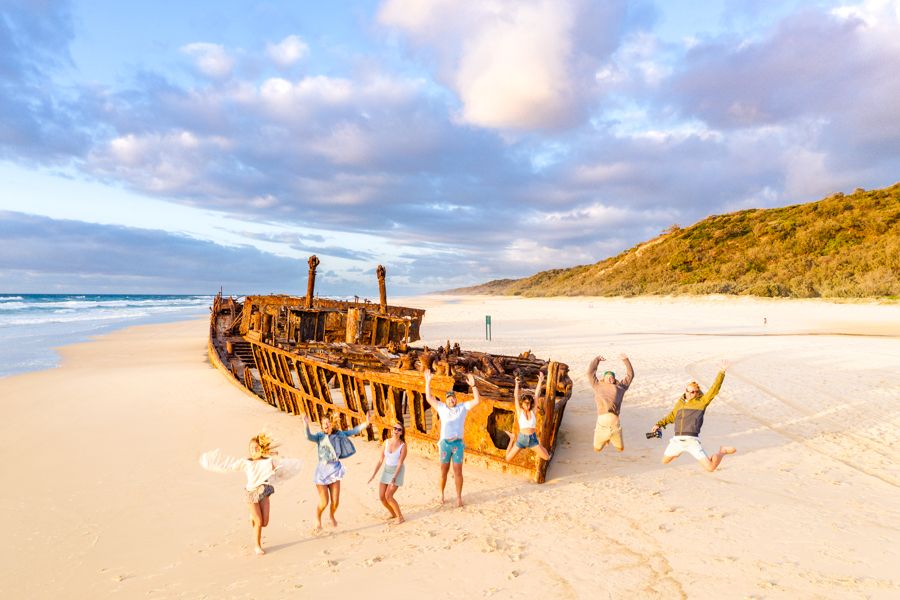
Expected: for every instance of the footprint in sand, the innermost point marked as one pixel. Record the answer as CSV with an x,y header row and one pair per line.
x,y
491,545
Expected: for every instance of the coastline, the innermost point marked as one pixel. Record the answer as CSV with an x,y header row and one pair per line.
x,y
109,498
34,326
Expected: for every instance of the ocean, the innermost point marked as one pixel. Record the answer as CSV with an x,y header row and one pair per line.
x,y
31,325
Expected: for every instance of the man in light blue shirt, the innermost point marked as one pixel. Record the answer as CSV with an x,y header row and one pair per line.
x,y
453,421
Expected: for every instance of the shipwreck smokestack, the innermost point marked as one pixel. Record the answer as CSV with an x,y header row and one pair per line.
x,y
311,280
382,288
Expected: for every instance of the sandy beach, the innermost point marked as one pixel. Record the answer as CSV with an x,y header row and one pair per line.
x,y
105,498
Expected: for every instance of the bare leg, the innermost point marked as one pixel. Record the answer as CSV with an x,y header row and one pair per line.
x,y
458,480
511,448
542,452
256,517
445,468
323,502
713,462
335,489
667,459
265,509
391,490
382,495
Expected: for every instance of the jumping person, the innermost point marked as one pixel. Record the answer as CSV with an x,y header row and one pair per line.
x,y
262,470
393,454
330,471
527,419
453,420
608,395
688,419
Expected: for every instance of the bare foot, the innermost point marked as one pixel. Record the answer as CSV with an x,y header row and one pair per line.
x,y
318,527
442,500
400,519
459,502
259,551
727,450
333,522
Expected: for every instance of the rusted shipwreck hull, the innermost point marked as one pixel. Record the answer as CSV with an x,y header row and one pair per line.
x,y
316,356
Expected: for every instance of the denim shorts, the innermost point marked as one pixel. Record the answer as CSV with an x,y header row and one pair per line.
x,y
451,450
527,440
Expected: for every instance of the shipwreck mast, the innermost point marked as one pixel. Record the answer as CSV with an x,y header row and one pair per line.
x,y
382,288
311,280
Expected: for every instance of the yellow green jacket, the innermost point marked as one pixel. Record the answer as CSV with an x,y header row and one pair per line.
x,y
688,414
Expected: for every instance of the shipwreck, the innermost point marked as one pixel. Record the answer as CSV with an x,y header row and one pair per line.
x,y
315,356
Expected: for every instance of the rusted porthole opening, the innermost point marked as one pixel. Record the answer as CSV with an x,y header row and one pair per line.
x,y
498,423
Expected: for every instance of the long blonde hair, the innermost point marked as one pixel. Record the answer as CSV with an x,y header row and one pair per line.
x,y
266,444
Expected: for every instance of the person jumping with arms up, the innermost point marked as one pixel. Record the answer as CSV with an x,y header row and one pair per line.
x,y
608,395
688,419
453,421
525,415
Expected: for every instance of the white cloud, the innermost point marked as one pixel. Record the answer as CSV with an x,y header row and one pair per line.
x,y
210,59
288,51
514,65
158,162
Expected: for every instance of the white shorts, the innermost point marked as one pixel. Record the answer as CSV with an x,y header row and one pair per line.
x,y
686,443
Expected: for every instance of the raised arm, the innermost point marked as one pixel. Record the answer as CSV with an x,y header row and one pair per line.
x,y
517,393
629,372
592,369
539,388
429,397
309,435
713,391
356,430
476,397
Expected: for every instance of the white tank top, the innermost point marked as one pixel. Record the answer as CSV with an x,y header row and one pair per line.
x,y
392,458
527,422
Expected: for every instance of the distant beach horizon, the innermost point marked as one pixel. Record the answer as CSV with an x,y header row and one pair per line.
x,y
32,326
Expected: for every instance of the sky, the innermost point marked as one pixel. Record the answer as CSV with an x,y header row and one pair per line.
x,y
180,147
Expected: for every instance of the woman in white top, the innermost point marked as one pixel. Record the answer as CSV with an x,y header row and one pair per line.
x,y
262,470
393,455
527,420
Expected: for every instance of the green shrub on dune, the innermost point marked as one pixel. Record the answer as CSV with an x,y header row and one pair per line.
x,y
844,246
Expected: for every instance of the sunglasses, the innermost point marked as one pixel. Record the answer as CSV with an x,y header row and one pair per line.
x,y
398,429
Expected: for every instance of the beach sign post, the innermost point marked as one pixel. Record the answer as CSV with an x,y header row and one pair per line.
x,y
487,327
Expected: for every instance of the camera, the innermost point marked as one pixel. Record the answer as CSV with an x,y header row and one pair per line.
x,y
654,434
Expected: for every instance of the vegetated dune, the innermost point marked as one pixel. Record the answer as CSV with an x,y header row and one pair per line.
x,y
844,246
